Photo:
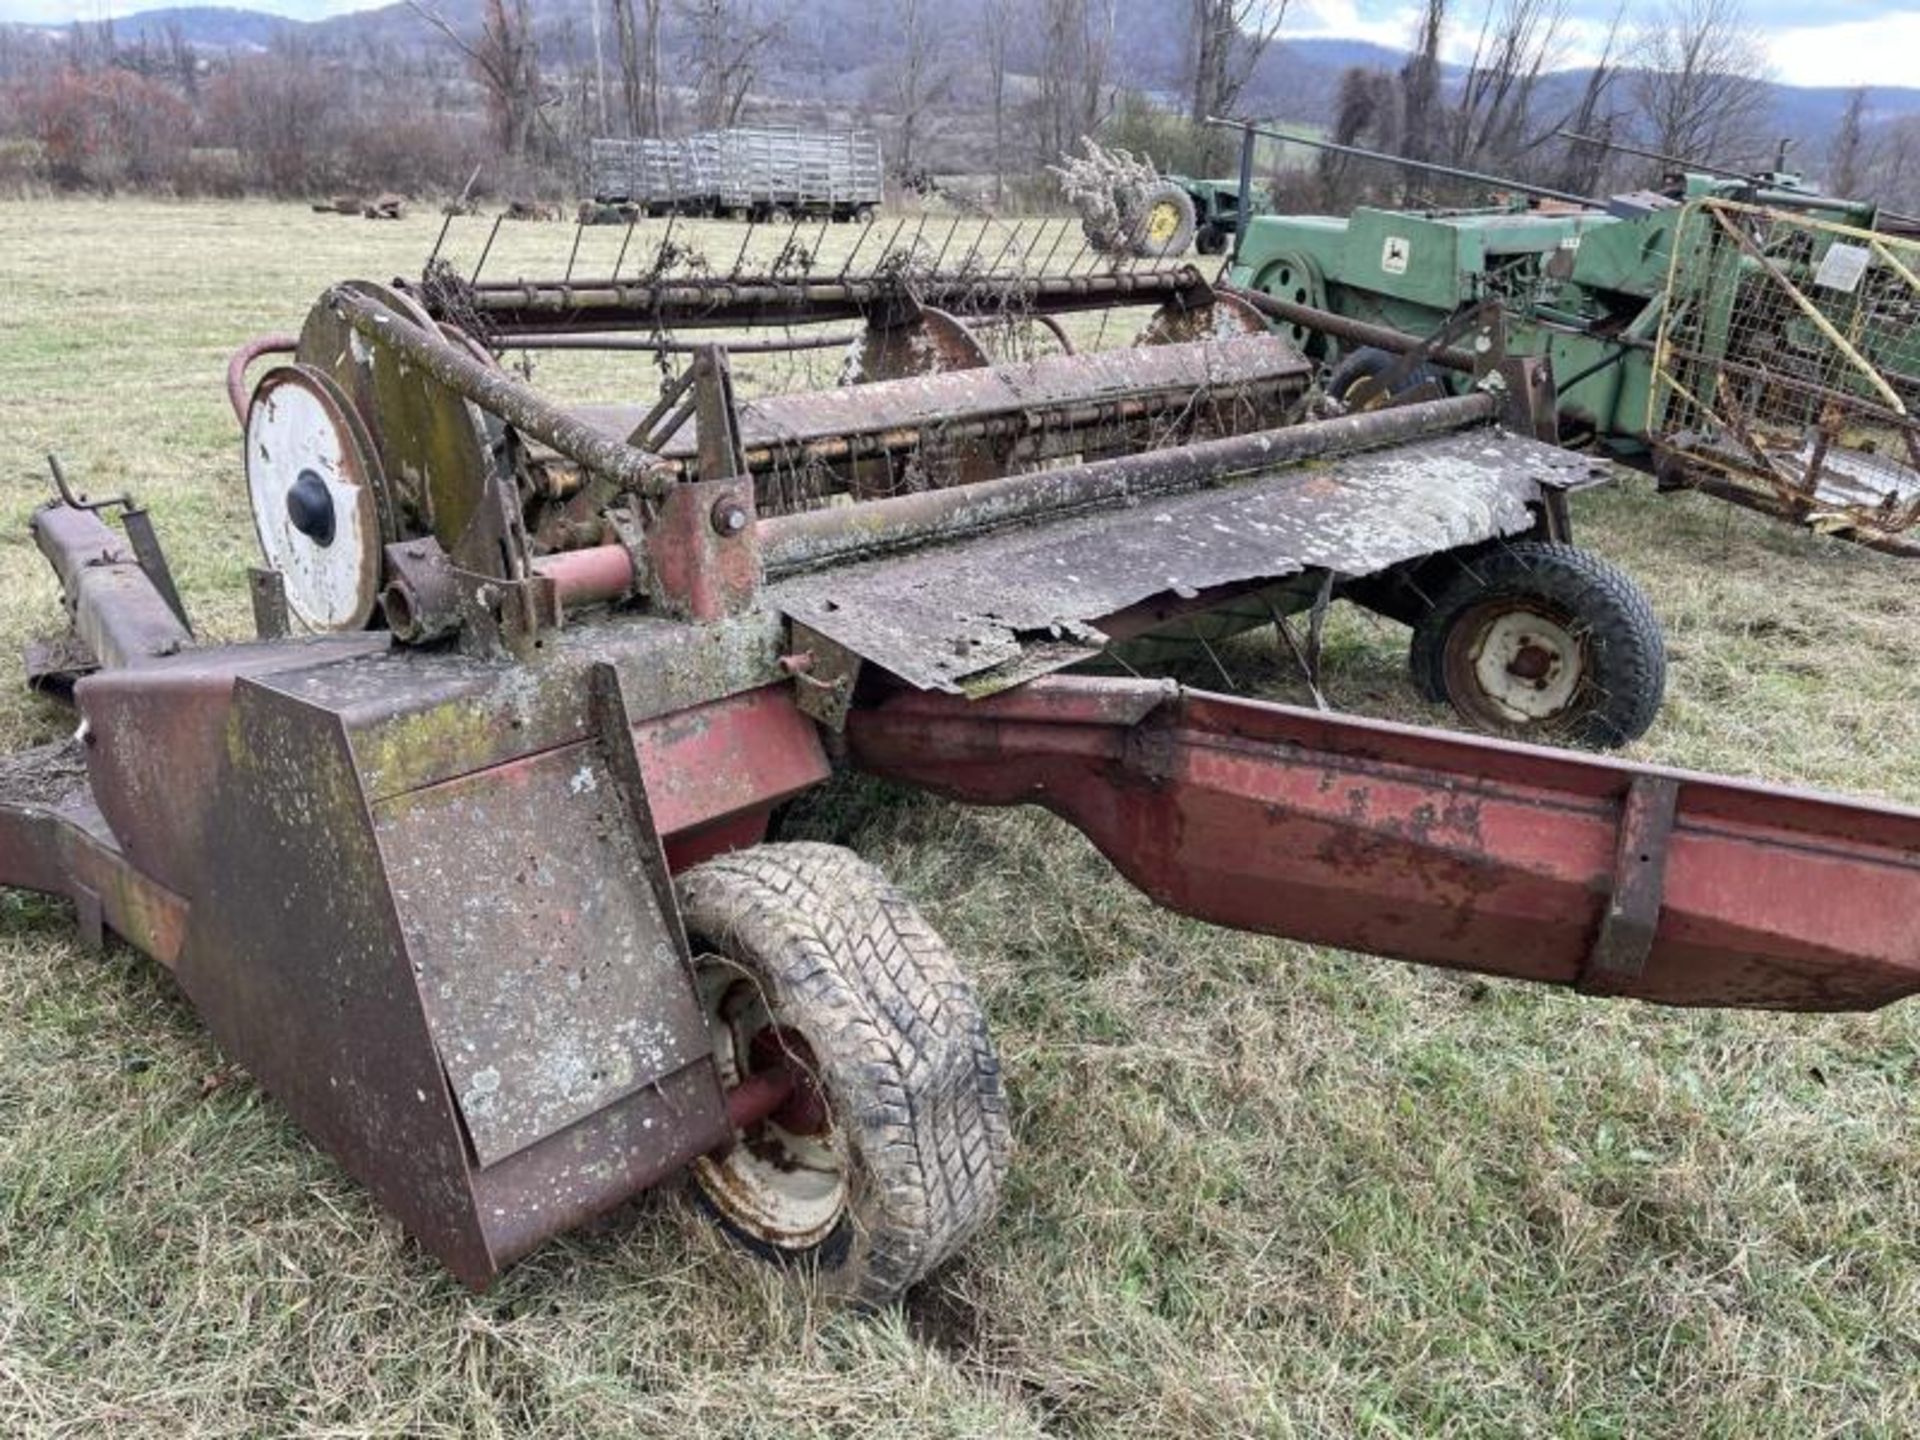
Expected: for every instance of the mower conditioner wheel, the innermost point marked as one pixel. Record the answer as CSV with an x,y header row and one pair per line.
x,y
1545,641
891,1150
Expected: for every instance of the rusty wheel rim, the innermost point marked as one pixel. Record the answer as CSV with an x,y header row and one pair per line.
x,y
783,1181
1517,665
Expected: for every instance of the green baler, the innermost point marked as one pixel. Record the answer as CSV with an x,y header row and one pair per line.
x,y
1745,335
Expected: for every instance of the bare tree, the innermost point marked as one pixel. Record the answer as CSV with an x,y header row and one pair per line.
x,y
1076,51
632,84
1228,38
506,59
997,21
921,75
1700,81
1518,43
1847,158
728,38
654,111
1585,163
1420,84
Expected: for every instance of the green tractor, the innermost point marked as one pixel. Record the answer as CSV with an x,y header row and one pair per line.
x,y
1127,207
1742,334
1216,210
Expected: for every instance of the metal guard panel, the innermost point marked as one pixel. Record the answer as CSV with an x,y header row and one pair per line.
x,y
553,981
978,615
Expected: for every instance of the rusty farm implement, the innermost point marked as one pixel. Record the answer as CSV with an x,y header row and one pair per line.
x,y
467,857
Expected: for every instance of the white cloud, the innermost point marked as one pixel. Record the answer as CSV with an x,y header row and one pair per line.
x,y
1859,52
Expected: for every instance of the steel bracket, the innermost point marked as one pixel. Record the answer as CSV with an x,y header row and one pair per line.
x,y
1639,882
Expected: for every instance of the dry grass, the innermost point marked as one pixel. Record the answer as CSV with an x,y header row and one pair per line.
x,y
1260,1189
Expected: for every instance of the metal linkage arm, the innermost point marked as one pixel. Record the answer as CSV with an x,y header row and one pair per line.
x,y
1442,849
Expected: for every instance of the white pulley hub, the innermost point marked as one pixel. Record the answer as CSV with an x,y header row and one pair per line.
x,y
314,484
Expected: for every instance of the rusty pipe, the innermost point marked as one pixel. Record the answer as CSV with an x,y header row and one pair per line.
x,y
237,395
595,575
838,339
1345,327
794,543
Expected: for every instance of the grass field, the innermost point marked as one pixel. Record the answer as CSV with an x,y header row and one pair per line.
x,y
1259,1188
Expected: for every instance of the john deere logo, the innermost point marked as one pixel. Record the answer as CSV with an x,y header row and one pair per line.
x,y
1393,259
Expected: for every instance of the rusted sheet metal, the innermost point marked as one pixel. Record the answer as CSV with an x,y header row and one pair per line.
x,y
422,717
1005,605
737,756
53,839
551,977
1442,849
474,994
1056,390
157,738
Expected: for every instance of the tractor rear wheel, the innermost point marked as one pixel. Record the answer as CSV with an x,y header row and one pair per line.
x,y
1164,222
890,1149
1543,641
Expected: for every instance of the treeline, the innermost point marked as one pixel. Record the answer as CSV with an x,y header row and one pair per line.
x,y
990,90
99,115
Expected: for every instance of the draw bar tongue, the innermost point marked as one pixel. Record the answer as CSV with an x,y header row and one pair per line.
x,y
1439,848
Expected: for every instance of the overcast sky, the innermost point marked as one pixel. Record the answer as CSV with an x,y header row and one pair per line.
x,y
1813,42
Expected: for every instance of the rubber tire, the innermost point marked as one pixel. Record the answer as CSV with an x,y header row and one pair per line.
x,y
906,1063
1627,653
1158,193
1211,240
1368,363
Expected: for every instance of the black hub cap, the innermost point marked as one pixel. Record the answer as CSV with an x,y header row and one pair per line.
x,y
310,507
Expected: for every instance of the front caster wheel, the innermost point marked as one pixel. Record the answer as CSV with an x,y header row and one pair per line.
x,y
1543,641
825,990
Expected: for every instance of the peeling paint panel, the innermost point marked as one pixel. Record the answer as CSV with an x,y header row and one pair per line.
x,y
966,617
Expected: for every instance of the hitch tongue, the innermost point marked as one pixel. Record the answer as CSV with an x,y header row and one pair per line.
x,y
1442,849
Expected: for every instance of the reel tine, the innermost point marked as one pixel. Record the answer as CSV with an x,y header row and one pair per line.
x,y
854,253
579,229
625,241
487,249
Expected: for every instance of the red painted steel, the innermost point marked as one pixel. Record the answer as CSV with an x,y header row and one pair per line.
x,y
725,761
1436,848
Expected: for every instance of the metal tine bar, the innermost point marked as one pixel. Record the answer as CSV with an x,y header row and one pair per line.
x,y
1013,241
972,249
854,253
913,245
660,256
625,240
446,224
952,231
745,241
487,249
579,229
887,249
1058,236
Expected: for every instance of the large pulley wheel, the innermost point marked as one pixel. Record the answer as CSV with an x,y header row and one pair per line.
x,y
1543,641
315,485
888,1145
